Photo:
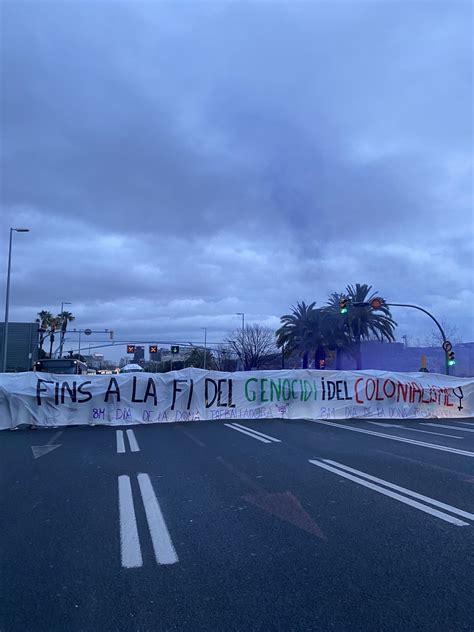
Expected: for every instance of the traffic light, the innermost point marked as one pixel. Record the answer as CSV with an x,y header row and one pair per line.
x,y
153,349
175,349
111,335
130,348
451,358
343,306
376,303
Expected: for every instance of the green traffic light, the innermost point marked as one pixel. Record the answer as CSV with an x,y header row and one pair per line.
x,y
451,362
343,310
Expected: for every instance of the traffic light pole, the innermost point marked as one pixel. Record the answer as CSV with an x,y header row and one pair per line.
x,y
421,309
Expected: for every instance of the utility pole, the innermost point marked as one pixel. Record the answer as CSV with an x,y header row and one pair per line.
x,y
7,298
243,338
205,348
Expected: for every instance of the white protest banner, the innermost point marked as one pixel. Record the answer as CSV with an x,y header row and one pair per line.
x,y
43,399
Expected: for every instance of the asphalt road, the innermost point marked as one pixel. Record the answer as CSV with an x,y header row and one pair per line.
x,y
341,526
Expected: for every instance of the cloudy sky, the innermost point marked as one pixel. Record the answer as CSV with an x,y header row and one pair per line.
x,y
180,162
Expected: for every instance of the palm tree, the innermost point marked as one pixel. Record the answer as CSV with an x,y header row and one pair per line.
x,y
64,318
53,326
44,321
336,333
296,331
362,321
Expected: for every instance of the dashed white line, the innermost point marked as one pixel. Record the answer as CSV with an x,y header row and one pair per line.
x,y
386,492
129,541
433,446
250,434
120,442
441,434
408,492
132,440
450,427
261,434
163,546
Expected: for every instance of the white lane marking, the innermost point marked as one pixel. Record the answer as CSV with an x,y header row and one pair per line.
x,y
408,492
376,423
120,442
433,446
163,546
129,540
467,423
261,434
450,427
250,434
132,440
386,492
441,434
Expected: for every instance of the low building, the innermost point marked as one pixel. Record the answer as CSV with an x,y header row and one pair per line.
x,y
22,346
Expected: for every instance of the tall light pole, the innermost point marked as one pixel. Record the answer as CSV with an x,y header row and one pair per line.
x,y
61,344
7,298
205,348
243,337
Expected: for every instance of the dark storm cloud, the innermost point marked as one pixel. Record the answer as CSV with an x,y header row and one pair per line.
x,y
168,152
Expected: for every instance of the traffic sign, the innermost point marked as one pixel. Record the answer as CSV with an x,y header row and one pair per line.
x,y
175,349
130,348
153,349
447,345
88,332
376,303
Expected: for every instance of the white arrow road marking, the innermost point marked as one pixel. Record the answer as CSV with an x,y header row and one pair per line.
x,y
132,440
120,442
129,540
163,546
433,446
41,450
386,492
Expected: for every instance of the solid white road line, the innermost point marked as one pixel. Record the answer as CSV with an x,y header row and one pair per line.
x,y
467,423
407,492
132,440
129,540
377,423
433,446
163,546
386,492
120,443
441,434
450,427
261,434
250,434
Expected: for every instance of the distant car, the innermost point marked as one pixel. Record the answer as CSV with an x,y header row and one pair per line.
x,y
132,368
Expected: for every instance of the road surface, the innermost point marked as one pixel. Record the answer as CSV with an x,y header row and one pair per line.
x,y
247,525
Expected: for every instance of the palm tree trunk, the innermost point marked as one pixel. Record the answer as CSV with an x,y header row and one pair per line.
x,y
51,342
305,360
358,354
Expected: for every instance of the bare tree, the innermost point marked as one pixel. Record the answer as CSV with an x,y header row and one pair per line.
x,y
254,346
224,357
452,334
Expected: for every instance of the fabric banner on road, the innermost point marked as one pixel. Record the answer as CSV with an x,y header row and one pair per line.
x,y
43,399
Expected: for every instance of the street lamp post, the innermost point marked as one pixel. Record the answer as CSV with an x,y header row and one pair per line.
x,y
7,298
205,348
243,337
